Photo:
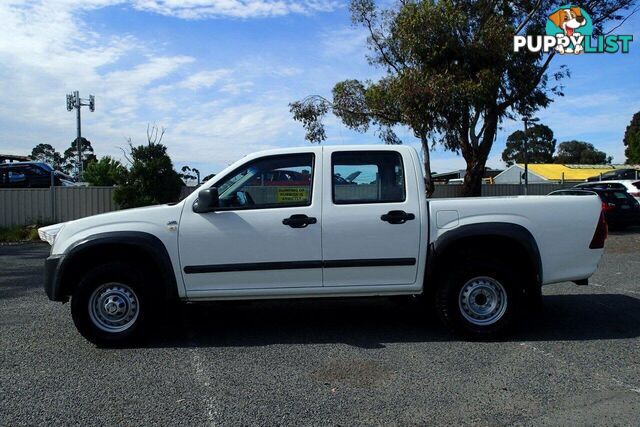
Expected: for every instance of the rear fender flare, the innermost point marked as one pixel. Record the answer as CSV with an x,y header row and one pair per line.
x,y
513,232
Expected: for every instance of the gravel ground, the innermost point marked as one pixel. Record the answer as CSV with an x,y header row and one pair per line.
x,y
326,362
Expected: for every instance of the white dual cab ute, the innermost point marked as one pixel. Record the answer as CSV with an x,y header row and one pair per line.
x,y
343,221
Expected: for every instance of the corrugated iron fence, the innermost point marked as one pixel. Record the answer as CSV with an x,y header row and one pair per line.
x,y
22,206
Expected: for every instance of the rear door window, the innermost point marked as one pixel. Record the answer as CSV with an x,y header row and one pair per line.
x,y
367,177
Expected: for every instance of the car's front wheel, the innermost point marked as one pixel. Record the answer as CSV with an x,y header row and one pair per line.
x,y
479,300
110,304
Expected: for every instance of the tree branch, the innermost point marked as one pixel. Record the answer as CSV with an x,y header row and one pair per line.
x,y
379,47
509,101
526,20
369,114
623,21
124,153
472,128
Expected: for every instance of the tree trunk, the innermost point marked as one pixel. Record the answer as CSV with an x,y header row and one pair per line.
x,y
472,185
476,155
428,181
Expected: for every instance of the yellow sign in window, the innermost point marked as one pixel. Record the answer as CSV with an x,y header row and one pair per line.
x,y
292,194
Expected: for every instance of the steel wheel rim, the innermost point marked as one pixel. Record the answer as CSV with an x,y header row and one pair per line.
x,y
483,301
113,307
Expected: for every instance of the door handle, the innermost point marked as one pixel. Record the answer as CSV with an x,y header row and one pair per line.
x,y
299,221
397,217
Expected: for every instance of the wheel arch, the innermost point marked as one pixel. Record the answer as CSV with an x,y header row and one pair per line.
x,y
511,241
132,246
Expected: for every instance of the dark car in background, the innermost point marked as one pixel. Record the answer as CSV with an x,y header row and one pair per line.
x,y
630,186
31,175
618,174
620,209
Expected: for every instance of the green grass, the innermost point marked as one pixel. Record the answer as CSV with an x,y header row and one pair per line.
x,y
19,233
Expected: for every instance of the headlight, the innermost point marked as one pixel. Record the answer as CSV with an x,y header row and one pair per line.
x,y
49,233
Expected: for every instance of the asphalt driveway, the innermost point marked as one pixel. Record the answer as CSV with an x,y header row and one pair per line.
x,y
326,362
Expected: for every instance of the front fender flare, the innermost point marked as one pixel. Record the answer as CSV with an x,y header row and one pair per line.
x,y
56,265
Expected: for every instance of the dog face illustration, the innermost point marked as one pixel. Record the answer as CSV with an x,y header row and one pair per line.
x,y
568,20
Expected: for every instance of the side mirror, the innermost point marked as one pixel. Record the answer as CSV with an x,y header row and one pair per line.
x,y
207,200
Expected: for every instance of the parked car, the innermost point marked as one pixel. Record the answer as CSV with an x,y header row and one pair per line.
x,y
630,186
479,259
31,175
280,178
618,174
620,209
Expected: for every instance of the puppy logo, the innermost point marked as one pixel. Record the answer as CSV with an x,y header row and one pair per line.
x,y
570,24
569,30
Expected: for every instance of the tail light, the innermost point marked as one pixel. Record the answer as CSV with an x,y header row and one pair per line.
x,y
608,207
601,233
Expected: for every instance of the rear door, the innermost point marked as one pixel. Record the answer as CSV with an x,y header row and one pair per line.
x,y
371,221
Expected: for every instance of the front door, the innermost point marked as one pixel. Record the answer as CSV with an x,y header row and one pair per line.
x,y
266,234
371,218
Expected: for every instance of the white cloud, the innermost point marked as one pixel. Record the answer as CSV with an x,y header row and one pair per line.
x,y
236,88
204,79
344,42
46,51
201,9
215,134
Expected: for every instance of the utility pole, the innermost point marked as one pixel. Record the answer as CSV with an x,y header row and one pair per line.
x,y
74,101
526,120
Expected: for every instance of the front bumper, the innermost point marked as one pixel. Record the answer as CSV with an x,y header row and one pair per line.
x,y
52,283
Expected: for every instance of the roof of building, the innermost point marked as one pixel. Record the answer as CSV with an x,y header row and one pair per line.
x,y
555,172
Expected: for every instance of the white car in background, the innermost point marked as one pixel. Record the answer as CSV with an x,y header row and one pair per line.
x,y
630,185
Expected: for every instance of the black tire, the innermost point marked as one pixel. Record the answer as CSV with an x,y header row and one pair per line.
x,y
489,275
121,280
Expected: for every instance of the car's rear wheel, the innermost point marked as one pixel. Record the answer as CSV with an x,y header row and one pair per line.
x,y
110,305
479,300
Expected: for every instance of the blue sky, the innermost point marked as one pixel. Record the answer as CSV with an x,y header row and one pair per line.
x,y
218,75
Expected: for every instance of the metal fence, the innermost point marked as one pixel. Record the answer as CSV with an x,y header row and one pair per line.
x,y
495,190
23,206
